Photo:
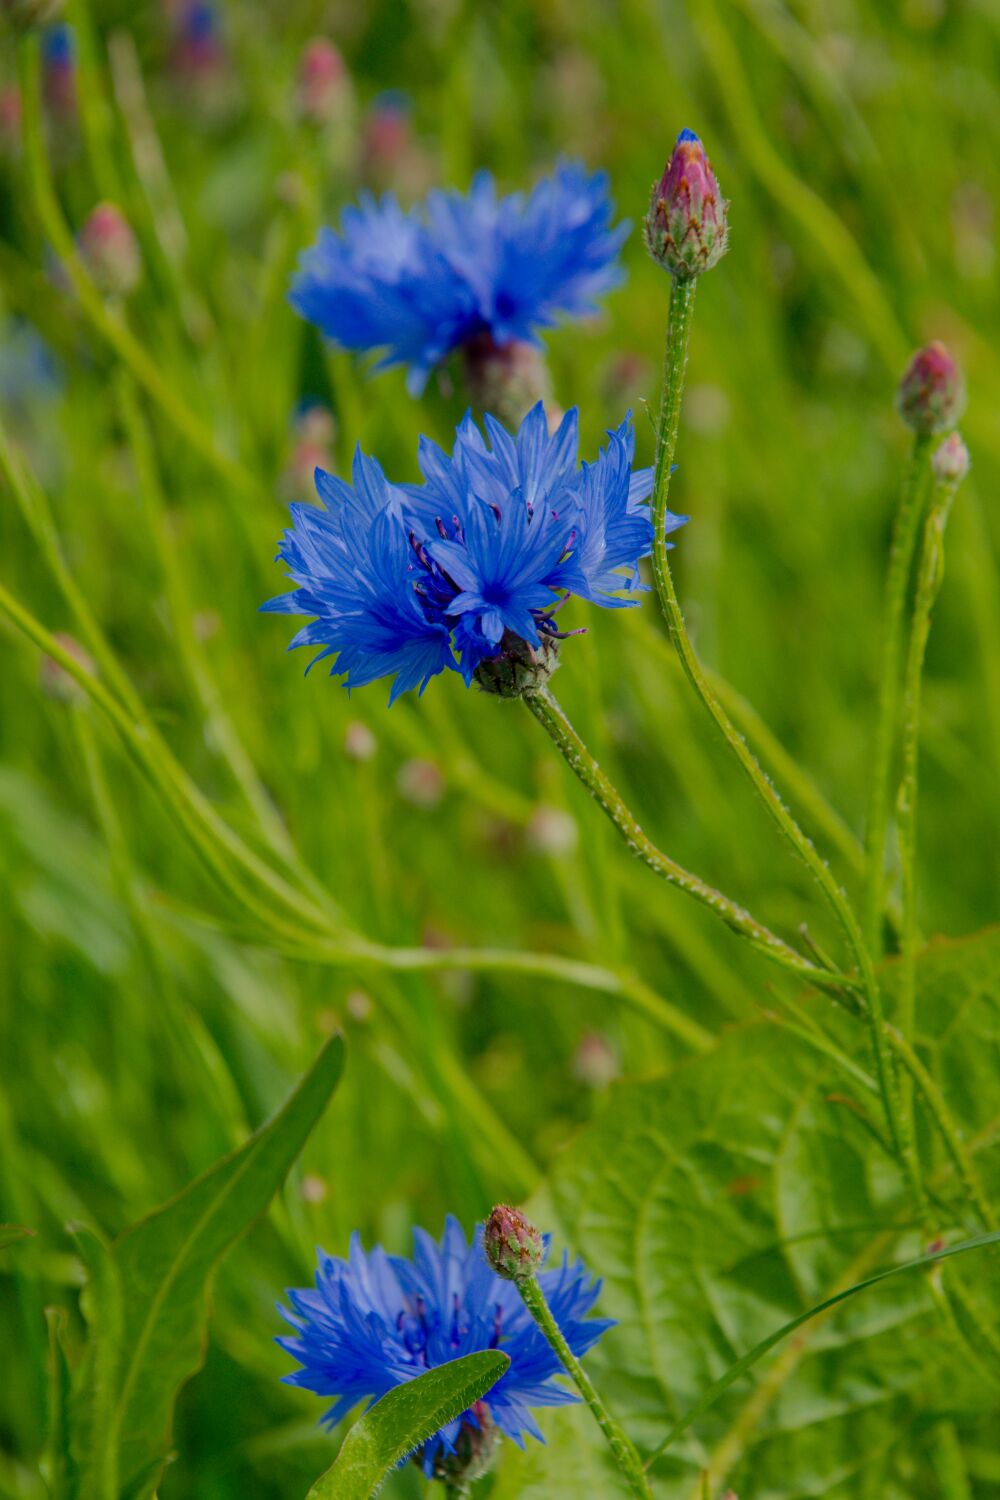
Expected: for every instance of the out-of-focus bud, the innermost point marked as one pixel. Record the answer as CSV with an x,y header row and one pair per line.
x,y
314,1188
594,1061
359,1006
323,82
59,71
950,462
505,380
391,155
420,783
359,742
552,831
313,433
931,393
110,251
686,228
473,1453
54,679
514,1247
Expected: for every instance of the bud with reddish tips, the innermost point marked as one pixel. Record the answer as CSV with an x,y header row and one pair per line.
x,y
514,1247
950,462
686,229
932,392
322,81
110,251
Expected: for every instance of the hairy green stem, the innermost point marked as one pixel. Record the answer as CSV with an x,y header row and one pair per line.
x,y
625,1453
675,361
904,540
579,759
929,573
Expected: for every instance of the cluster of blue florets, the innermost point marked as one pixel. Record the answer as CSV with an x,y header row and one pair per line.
x,y
374,1321
406,581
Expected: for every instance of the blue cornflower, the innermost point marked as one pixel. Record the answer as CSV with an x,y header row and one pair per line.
x,y
406,581
417,284
375,1321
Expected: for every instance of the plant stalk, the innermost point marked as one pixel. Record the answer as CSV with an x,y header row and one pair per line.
x,y
625,1453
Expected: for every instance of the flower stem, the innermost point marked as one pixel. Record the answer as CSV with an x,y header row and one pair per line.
x,y
929,573
675,361
625,1453
904,541
554,721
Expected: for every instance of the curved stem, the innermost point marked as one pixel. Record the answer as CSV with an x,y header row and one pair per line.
x,y
626,1456
904,541
554,721
678,333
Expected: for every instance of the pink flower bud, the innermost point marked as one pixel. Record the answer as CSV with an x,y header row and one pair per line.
x,y
950,462
56,682
686,228
931,393
514,1247
110,251
322,81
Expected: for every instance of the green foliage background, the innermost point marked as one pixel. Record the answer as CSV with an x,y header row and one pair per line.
x,y
147,1021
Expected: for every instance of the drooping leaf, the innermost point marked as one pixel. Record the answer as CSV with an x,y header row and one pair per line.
x,y
147,1302
404,1419
728,1198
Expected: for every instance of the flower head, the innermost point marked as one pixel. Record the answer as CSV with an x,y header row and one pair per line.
x,y
375,1321
470,567
419,284
686,228
931,392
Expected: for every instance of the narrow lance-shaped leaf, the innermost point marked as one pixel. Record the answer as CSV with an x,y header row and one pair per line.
x,y
404,1419
164,1266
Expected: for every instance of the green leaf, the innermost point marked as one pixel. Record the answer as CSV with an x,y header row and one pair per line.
x,y
58,1463
147,1300
724,1201
404,1419
11,1233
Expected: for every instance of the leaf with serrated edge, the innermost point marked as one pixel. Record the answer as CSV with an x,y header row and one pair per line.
x,y
404,1419
164,1267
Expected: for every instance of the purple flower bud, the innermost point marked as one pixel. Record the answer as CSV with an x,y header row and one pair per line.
x,y
514,1247
110,252
932,392
686,228
322,82
950,462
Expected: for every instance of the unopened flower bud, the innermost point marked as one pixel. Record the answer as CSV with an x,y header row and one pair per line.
x,y
686,229
950,462
322,81
931,393
420,783
514,1247
110,251
474,1451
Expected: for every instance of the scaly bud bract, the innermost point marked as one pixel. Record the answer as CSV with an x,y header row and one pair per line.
x,y
514,1247
931,392
950,462
686,229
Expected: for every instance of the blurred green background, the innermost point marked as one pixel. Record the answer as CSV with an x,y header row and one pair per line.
x,y
146,1022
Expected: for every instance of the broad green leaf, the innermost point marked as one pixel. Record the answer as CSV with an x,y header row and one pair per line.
x,y
404,1419
728,1198
11,1233
147,1302
96,1387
